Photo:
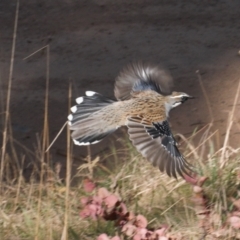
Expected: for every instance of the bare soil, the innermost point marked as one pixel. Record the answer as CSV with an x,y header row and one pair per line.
x,y
90,41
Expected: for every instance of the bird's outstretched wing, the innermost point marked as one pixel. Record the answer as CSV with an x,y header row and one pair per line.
x,y
138,77
156,143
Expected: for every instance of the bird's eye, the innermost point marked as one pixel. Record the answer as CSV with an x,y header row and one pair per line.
x,y
184,98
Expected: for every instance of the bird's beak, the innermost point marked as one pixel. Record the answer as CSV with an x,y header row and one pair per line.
x,y
191,97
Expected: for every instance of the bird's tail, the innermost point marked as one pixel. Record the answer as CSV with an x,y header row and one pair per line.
x,y
86,119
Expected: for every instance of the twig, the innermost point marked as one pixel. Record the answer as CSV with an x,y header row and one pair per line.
x,y
68,176
222,161
53,141
44,143
172,206
30,55
4,143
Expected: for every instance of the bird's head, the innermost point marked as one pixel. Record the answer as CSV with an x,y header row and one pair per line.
x,y
176,99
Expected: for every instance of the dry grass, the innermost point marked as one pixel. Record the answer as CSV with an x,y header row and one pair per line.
x,y
49,209
46,208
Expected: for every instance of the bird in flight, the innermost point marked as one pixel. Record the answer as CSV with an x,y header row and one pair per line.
x,y
144,100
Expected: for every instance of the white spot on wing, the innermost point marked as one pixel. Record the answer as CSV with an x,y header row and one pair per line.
x,y
83,143
79,100
80,143
70,117
89,93
73,109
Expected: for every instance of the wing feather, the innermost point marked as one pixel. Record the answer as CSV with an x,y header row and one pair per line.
x,y
141,77
156,143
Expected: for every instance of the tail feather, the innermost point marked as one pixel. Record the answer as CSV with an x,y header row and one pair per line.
x,y
85,120
91,139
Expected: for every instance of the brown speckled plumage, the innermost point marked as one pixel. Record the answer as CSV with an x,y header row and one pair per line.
x,y
146,106
143,105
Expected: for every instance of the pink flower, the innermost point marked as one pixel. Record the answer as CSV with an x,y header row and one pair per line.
x,y
140,234
84,213
97,200
84,200
163,238
103,237
234,222
123,208
141,221
129,229
91,210
88,185
111,200
137,237
116,238
190,180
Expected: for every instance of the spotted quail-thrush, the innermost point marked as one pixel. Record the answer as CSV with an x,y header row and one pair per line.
x,y
144,101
